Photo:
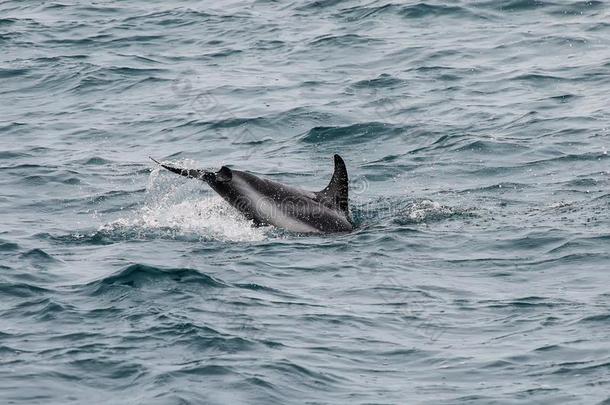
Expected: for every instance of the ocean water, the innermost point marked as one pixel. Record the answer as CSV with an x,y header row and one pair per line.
x,y
476,135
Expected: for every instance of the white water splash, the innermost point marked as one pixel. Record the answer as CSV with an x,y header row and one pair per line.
x,y
174,207
422,211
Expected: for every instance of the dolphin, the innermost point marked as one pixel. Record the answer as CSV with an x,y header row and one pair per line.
x,y
268,202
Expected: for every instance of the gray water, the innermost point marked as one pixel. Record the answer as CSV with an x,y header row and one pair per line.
x,y
476,137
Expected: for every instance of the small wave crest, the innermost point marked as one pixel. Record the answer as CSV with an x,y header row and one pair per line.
x,y
137,275
428,210
406,212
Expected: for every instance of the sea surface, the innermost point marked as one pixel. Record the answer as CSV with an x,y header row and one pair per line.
x,y
476,135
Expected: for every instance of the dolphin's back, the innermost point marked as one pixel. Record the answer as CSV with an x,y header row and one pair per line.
x,y
269,202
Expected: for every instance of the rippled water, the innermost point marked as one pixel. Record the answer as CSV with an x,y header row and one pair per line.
x,y
476,137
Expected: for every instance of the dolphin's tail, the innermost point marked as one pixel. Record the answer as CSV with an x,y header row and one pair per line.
x,y
190,173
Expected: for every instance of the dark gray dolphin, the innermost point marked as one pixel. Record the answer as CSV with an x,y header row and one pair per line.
x,y
268,202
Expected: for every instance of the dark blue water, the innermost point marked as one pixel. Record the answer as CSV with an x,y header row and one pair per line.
x,y
476,137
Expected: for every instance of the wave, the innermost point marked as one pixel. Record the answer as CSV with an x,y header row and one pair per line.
x,y
7,246
384,80
492,147
419,10
38,256
604,319
97,238
42,309
516,5
347,40
140,275
525,302
422,10
21,290
8,21
355,133
12,73
401,212
12,155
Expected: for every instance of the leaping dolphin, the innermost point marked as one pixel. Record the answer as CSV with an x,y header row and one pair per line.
x,y
267,202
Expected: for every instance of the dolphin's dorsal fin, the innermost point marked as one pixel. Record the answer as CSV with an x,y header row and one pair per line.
x,y
335,195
